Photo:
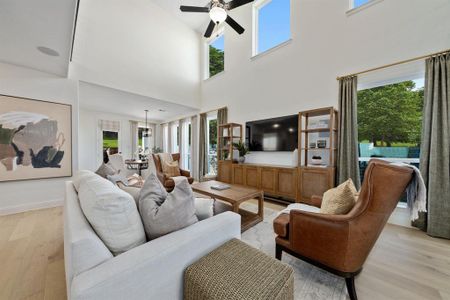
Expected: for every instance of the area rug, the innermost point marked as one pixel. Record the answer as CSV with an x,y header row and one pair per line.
x,y
309,282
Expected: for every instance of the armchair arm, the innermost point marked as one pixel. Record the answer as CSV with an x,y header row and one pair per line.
x,y
185,173
316,201
321,237
155,270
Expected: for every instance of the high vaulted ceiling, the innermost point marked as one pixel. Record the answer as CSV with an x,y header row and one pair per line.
x,y
28,24
197,21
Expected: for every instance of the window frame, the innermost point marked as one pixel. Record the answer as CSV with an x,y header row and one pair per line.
x,y
208,41
255,38
352,9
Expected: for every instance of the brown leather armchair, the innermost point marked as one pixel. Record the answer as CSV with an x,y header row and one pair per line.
x,y
340,244
168,182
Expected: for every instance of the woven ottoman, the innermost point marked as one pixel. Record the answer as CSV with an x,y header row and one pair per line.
x,y
236,270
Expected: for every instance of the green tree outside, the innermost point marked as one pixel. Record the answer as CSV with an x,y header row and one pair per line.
x,y
216,61
391,115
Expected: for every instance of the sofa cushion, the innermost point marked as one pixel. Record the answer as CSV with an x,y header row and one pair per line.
x,y
105,169
163,212
112,213
80,176
204,208
339,200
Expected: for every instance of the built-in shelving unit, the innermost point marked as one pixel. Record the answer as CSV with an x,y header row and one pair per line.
x,y
318,150
228,136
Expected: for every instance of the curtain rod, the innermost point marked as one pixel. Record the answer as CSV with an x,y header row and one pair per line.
x,y
190,116
207,112
395,64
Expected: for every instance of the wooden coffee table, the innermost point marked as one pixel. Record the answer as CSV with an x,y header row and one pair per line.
x,y
235,196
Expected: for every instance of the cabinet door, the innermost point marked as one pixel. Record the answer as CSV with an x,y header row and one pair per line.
x,y
268,180
287,183
314,182
251,175
224,171
238,174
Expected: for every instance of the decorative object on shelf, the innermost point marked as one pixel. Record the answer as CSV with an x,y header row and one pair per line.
x,y
218,12
321,143
312,145
156,150
35,139
316,160
243,150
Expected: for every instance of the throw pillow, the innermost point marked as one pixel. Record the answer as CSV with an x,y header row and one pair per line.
x,y
163,213
132,190
171,169
105,169
204,208
339,200
118,178
135,181
80,176
112,213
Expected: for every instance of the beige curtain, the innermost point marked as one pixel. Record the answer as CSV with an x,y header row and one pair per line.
x,y
435,147
203,148
194,148
134,138
348,154
169,138
182,144
222,116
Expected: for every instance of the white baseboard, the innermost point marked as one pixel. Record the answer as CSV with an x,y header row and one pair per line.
x,y
31,206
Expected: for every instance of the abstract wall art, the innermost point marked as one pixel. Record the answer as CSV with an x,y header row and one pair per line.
x,y
35,139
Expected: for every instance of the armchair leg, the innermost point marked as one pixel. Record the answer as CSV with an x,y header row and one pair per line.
x,y
278,251
350,282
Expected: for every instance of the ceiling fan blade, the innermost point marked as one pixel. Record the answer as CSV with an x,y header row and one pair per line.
x,y
197,9
236,3
239,29
210,29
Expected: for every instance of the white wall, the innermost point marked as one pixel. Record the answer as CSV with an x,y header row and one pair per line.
x,y
326,43
90,137
23,82
138,47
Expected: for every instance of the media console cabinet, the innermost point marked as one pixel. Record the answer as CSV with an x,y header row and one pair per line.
x,y
315,173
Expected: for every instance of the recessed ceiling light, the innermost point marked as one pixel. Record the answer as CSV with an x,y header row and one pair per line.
x,y
48,51
276,125
291,129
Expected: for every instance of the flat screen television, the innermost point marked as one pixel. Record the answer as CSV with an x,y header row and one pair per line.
x,y
277,134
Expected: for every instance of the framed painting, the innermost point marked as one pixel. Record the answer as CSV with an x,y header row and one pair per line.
x,y
35,139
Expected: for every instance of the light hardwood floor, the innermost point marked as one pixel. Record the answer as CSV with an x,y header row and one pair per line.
x,y
404,264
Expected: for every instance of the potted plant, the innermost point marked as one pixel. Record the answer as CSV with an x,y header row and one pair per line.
x,y
243,150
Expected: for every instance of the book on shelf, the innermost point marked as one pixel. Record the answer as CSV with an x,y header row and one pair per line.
x,y
220,187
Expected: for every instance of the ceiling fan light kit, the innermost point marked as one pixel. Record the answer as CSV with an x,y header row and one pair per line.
x,y
218,12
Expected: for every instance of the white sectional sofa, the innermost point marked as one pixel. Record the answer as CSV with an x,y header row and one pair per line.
x,y
151,271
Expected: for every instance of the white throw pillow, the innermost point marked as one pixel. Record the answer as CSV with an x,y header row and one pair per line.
x,y
163,212
204,208
112,213
80,176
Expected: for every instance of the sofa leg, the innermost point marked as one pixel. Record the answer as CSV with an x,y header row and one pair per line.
x,y
350,282
278,251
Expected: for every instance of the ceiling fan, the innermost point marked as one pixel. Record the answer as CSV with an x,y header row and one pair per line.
x,y
218,12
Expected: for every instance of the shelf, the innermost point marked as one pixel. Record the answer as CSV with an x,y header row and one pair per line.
x,y
318,130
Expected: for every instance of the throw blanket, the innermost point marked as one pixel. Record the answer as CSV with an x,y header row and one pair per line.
x,y
416,192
